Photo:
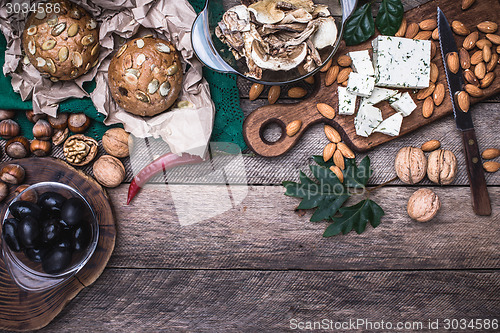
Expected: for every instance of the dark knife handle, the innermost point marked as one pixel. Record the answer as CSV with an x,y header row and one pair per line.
x,y
480,197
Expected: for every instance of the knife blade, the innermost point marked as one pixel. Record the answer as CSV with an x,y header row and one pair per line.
x,y
479,191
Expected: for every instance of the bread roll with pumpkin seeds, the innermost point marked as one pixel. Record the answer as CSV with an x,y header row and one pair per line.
x,y
145,76
62,40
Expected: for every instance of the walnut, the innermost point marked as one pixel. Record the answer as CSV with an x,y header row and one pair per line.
x,y
116,141
109,171
80,150
442,167
423,205
410,165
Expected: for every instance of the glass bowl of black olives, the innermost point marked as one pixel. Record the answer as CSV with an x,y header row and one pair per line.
x,y
49,232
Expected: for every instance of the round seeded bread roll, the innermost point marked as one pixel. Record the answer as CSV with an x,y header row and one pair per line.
x,y
145,76
62,40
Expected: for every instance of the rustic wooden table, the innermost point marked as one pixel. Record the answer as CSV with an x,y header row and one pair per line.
x,y
259,265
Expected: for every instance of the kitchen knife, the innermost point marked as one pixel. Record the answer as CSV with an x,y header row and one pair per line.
x,y
480,198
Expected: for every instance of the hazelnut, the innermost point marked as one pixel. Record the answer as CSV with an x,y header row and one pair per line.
x,y
42,130
40,148
423,205
115,142
28,195
18,147
78,122
12,174
80,150
32,117
60,121
4,191
60,136
442,167
109,171
410,165
7,114
9,128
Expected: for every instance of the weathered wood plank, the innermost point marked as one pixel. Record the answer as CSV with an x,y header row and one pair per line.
x,y
264,232
137,300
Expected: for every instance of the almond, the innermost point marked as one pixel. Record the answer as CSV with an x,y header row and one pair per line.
x,y
431,145
459,28
498,49
423,35
429,24
344,84
326,110
273,94
255,91
463,101
453,62
426,92
491,166
486,53
480,70
473,90
464,58
433,49
332,134
331,75
495,39
470,77
434,72
402,28
488,80
470,40
487,27
293,127
411,30
336,170
327,66
297,92
490,153
346,151
309,80
467,3
344,75
482,42
435,34
476,57
344,61
438,95
490,67
328,151
428,107
338,159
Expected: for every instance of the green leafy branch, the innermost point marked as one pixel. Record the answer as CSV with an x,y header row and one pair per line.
x,y
326,194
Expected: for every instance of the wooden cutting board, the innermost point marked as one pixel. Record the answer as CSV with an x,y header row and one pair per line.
x,y
26,311
282,114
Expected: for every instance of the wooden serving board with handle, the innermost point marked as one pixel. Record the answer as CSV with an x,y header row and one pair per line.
x,y
26,311
283,114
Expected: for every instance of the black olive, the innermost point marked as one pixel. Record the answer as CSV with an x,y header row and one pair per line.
x,y
51,231
11,236
81,237
56,260
21,209
51,202
73,212
35,254
65,239
28,231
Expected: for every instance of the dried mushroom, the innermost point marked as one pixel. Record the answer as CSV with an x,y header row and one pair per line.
x,y
80,150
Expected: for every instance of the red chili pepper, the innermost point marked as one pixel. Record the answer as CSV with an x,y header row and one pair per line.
x,y
162,163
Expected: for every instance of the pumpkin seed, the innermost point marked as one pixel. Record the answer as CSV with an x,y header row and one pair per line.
x,y
91,24
162,48
142,96
51,66
153,86
147,36
26,60
153,66
40,62
75,13
74,73
87,66
63,54
73,29
165,88
48,44
54,79
95,49
31,47
185,104
87,40
52,21
140,59
41,14
121,50
58,29
172,70
31,30
130,78
95,62
134,72
77,59
140,43
127,61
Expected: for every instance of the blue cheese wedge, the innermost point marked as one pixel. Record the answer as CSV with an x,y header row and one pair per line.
x,y
403,104
401,62
361,62
360,84
391,126
347,102
379,94
367,119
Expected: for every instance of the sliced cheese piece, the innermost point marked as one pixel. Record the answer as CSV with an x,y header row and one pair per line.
x,y
347,101
367,119
360,84
380,94
401,62
404,104
391,125
361,62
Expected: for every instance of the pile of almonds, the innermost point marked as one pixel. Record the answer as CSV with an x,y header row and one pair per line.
x,y
336,150
338,72
490,154
275,91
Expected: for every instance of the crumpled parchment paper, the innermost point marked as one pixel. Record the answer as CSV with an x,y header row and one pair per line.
x,y
186,128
